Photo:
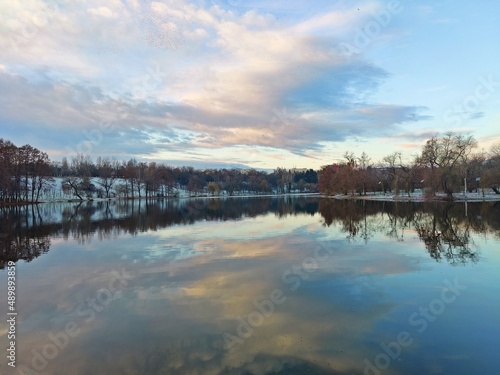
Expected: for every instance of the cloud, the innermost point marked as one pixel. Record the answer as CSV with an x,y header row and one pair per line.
x,y
102,12
476,115
420,135
339,20
197,78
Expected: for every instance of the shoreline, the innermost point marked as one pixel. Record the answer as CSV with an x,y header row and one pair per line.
x,y
458,198
471,197
72,200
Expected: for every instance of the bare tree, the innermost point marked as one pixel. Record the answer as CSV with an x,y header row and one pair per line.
x,y
391,162
131,174
213,188
79,182
24,172
152,180
495,150
107,170
364,175
41,173
446,159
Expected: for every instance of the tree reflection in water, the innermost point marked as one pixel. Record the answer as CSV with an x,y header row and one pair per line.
x,y
446,235
444,228
26,231
22,234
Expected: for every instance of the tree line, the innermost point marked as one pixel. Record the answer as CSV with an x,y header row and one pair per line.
x,y
24,172
111,178
27,173
446,164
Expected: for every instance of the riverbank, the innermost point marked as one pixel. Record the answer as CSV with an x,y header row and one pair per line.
x,y
72,200
387,197
418,197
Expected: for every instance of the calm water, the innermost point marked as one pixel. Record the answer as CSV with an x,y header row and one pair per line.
x,y
254,286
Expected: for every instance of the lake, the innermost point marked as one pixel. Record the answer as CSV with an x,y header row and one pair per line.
x,y
301,285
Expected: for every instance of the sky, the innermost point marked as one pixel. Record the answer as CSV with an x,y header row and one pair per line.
x,y
257,84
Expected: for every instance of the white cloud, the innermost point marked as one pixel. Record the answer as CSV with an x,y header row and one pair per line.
x,y
339,21
224,73
102,12
197,34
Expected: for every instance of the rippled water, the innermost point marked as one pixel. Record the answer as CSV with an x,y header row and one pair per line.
x,y
253,286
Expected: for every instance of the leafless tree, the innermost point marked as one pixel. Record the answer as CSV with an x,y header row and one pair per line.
x,y
107,169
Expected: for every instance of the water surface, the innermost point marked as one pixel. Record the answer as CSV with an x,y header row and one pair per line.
x,y
254,286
